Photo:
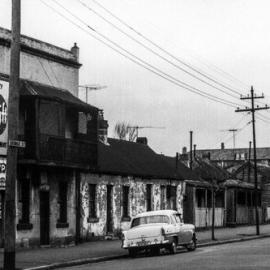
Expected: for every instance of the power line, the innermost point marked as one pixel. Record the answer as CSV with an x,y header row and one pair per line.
x,y
159,47
252,97
199,58
145,65
157,54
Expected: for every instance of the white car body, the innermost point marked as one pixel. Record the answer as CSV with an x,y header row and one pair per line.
x,y
158,229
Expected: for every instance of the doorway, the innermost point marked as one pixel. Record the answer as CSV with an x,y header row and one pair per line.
x,y
109,209
44,218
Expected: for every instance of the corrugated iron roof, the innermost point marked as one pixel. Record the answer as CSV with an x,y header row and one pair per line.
x,y
136,159
231,154
29,88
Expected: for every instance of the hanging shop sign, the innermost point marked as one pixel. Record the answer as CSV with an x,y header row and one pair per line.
x,y
4,89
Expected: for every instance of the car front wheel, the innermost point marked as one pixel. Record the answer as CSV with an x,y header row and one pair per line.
x,y
192,246
173,247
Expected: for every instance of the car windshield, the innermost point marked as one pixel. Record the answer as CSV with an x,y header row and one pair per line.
x,y
150,219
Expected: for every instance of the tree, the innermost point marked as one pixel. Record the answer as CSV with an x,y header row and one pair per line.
x,y
121,130
124,131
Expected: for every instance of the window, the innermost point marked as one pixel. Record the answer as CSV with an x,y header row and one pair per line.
x,y
209,198
62,200
249,198
148,197
125,201
171,197
241,197
219,199
200,196
24,199
150,220
92,201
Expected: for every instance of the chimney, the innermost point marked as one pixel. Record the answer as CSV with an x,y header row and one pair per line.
x,y
184,150
76,51
194,150
222,146
102,128
142,140
184,156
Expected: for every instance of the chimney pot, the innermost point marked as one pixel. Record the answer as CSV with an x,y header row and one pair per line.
x,y
76,51
142,140
222,146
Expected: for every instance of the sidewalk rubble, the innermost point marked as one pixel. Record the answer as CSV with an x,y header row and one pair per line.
x,y
50,258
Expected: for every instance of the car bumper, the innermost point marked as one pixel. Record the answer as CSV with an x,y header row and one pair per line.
x,y
144,244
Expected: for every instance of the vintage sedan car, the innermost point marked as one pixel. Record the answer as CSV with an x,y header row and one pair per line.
x,y
158,229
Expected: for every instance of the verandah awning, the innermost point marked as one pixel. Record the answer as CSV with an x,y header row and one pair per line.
x,y
29,88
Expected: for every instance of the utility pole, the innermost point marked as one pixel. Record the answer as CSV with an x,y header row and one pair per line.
x,y
191,155
13,121
252,110
213,197
249,159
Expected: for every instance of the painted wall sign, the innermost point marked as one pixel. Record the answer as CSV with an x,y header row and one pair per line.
x,y
3,165
4,90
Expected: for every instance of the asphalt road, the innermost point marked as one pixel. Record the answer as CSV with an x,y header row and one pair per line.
x,y
253,255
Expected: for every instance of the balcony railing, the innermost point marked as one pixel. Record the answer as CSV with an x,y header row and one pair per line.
x,y
62,151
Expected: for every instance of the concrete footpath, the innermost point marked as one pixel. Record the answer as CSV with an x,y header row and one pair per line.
x,y
51,258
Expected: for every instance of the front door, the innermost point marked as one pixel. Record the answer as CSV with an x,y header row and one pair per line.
x,y
109,209
44,218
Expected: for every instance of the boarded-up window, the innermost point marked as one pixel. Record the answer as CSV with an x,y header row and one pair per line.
x,y
125,201
82,123
92,201
51,118
62,200
24,199
148,197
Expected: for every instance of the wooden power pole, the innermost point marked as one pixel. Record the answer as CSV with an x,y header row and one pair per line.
x,y
13,119
252,110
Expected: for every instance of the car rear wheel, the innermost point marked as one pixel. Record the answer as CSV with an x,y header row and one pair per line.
x,y
132,253
173,247
155,251
192,246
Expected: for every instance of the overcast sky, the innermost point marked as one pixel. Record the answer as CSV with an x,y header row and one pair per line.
x,y
215,37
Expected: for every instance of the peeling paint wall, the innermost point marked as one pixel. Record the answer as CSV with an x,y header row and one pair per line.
x,y
91,229
58,236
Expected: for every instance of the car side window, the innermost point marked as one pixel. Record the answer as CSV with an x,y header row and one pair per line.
x,y
173,221
178,218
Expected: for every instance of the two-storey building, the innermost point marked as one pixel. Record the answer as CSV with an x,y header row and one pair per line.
x,y
60,132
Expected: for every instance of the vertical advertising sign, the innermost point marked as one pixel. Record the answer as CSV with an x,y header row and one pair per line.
x,y
4,89
3,165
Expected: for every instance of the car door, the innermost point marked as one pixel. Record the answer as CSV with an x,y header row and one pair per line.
x,y
180,229
184,234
